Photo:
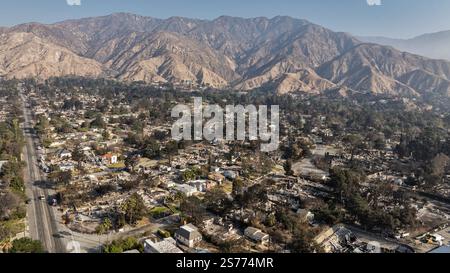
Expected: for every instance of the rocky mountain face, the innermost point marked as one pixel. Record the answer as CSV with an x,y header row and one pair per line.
x,y
281,54
381,69
25,55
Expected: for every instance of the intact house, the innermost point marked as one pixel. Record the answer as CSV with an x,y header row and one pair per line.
x,y
63,153
66,166
186,189
188,235
202,185
256,235
167,245
231,175
110,159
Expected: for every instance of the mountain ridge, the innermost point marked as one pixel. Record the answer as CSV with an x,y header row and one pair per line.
x,y
282,54
432,45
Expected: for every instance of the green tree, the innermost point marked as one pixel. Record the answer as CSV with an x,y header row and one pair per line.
x,y
171,149
193,209
134,209
238,186
104,227
355,144
217,200
288,167
78,156
121,245
152,149
131,162
26,245
61,178
303,242
98,122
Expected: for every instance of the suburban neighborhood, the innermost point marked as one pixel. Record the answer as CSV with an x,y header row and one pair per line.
x,y
115,181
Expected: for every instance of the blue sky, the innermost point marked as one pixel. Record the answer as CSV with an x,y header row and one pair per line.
x,y
393,18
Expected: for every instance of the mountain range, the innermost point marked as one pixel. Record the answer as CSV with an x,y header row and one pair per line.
x,y
432,45
281,54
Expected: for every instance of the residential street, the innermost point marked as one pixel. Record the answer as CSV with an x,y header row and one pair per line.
x,y
40,217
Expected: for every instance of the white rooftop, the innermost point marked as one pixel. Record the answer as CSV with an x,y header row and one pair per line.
x,y
166,246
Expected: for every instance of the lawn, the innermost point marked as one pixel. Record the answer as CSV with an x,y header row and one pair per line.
x,y
159,212
118,165
227,187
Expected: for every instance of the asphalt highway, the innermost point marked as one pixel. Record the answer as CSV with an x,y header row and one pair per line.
x,y
41,219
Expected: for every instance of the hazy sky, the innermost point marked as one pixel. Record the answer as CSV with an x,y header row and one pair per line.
x,y
394,18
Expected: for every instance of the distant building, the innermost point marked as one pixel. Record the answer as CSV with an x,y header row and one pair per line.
x,y
167,245
437,238
256,235
57,144
186,189
110,158
3,162
66,166
63,153
188,235
200,185
231,175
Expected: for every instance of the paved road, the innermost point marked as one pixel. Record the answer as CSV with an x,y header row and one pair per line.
x,y
41,219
